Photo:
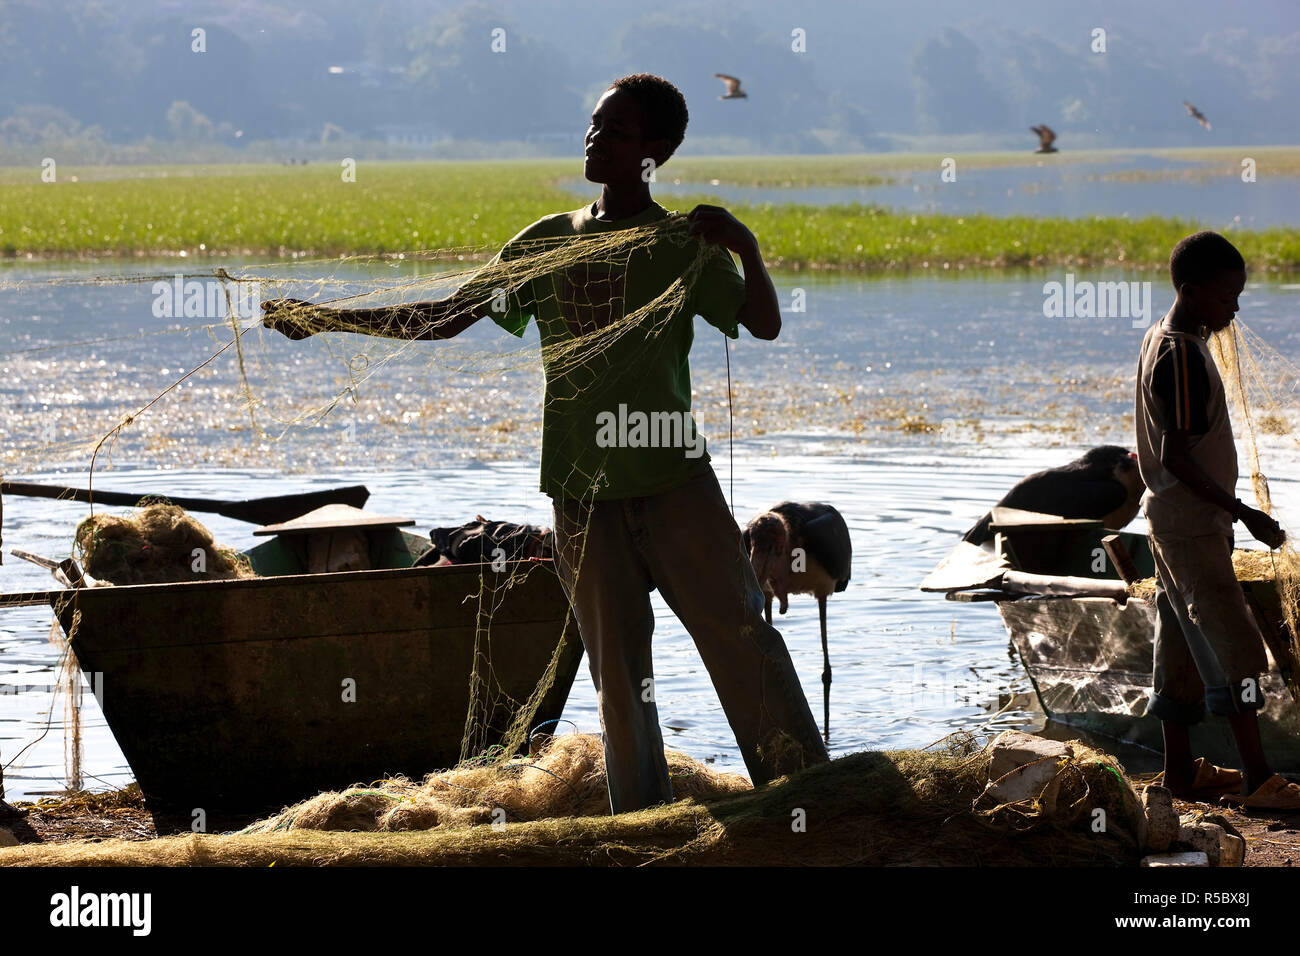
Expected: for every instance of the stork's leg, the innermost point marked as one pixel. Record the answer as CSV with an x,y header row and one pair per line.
x,y
826,674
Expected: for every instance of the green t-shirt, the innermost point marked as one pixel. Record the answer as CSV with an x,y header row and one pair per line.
x,y
617,421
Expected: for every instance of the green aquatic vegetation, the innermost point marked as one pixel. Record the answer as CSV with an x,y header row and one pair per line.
x,y
465,211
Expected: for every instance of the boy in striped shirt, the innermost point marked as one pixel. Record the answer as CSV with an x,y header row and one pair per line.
x,y
1208,649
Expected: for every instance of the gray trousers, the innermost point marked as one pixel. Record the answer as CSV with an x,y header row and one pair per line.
x,y
1208,652
610,555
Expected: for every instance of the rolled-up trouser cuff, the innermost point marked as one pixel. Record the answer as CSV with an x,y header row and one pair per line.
x,y
1175,711
1228,699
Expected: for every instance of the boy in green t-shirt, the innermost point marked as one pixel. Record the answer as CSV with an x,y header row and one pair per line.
x,y
637,505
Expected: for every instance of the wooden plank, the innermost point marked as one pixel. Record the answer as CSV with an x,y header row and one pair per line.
x,y
977,597
49,564
967,567
255,510
333,518
1120,557
1061,586
1016,518
338,604
33,598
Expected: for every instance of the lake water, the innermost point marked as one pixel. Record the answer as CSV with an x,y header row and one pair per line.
x,y
910,404
1057,185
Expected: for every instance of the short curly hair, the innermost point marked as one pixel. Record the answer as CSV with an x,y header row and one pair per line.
x,y
1201,257
663,105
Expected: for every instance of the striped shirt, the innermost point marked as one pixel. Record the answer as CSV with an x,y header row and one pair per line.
x,y
1179,389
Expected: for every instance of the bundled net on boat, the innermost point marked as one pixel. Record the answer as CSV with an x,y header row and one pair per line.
x,y
160,543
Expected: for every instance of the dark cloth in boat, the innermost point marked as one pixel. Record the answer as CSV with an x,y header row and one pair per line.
x,y
611,555
1179,389
482,541
1208,651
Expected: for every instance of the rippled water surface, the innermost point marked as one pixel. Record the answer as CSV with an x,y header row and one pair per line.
x,y
1058,185
910,404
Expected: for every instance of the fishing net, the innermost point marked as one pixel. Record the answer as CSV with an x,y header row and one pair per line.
x,y
898,808
1253,375
621,312
565,779
158,544
935,801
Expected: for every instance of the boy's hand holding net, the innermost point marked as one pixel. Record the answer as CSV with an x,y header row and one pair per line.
x,y
294,318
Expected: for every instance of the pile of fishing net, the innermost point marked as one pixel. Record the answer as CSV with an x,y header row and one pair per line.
x,y
565,779
158,544
897,808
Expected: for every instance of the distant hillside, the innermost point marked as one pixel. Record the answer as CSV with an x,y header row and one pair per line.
x,y
423,77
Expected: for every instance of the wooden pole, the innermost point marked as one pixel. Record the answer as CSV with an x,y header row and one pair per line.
x,y
1120,557
33,598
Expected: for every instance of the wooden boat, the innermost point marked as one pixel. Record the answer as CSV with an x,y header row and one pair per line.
x,y
261,691
1088,647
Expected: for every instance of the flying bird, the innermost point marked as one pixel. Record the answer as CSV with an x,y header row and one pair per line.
x,y
1045,139
802,549
1103,485
1196,114
734,92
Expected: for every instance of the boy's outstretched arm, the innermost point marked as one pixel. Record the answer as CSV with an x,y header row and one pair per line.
x,y
761,313
440,319
1176,455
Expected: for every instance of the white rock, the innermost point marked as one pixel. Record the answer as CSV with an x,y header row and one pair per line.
x,y
1162,820
1011,749
1230,848
1206,837
1026,782
1135,814
1232,851
1196,858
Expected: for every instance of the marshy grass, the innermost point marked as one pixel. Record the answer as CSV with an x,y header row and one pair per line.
x,y
275,210
468,210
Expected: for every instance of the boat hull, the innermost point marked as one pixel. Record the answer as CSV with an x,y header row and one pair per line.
x,y
258,692
1090,662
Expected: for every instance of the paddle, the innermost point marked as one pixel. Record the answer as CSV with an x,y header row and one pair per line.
x,y
254,510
